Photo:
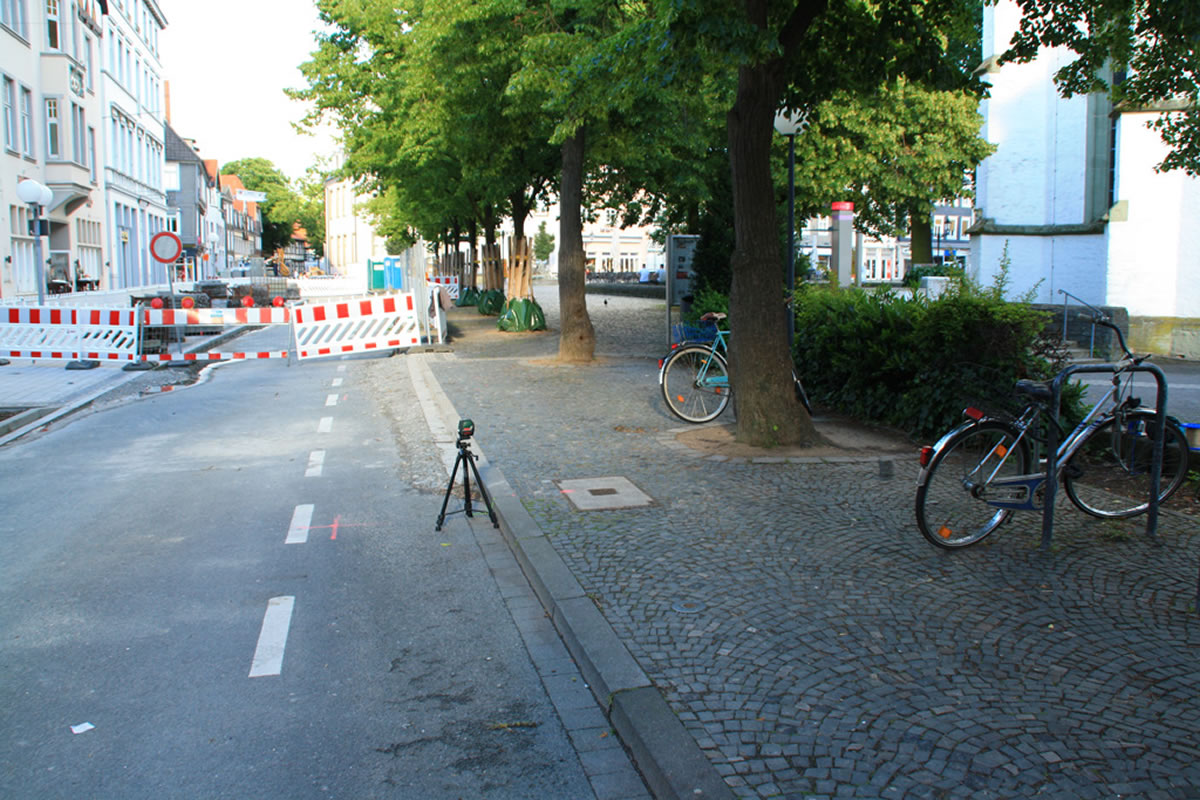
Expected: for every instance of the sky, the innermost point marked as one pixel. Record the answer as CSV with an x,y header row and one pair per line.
x,y
228,62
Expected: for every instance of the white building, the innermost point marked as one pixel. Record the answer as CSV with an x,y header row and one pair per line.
x,y
1073,193
134,112
350,238
51,94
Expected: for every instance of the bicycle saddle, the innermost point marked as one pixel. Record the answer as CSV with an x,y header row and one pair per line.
x,y
712,316
1035,389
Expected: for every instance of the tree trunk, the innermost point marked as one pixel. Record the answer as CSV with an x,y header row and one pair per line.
x,y
577,337
768,412
921,233
473,255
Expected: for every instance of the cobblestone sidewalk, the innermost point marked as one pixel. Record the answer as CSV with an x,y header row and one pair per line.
x,y
807,636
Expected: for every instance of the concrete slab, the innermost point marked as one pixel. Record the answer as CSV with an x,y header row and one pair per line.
x,y
603,494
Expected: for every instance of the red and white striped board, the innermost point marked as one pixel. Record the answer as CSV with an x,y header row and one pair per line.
x,y
449,281
355,326
214,355
167,317
64,333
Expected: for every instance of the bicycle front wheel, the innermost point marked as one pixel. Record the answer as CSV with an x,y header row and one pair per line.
x,y
950,511
695,384
1109,475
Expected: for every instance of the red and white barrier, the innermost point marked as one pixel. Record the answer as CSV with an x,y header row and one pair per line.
x,y
449,281
216,316
355,326
64,333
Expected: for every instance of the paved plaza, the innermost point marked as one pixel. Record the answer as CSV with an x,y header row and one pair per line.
x,y
798,625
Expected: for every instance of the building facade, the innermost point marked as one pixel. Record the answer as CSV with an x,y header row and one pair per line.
x,y
52,88
1071,199
350,238
134,116
243,223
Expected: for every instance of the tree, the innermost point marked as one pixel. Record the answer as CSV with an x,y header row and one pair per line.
x,y
781,55
284,205
1148,47
543,243
895,152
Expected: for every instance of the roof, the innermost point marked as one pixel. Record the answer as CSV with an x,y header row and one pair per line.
x,y
233,183
176,149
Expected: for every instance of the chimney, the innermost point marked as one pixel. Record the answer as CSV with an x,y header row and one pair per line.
x,y
167,99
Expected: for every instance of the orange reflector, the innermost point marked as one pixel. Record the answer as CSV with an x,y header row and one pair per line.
x,y
973,413
679,397
945,532
1000,450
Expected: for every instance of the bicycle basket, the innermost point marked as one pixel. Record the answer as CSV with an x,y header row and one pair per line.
x,y
686,332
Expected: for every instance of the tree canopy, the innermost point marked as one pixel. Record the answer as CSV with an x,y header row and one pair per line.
x,y
285,205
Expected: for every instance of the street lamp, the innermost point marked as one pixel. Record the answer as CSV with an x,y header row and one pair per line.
x,y
790,123
38,196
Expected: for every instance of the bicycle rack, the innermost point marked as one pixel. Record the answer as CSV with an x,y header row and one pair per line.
x,y
1160,427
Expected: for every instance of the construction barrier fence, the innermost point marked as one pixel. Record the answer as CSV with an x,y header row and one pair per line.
x,y
364,324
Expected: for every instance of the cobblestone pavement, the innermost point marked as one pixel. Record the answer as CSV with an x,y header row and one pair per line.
x,y
801,628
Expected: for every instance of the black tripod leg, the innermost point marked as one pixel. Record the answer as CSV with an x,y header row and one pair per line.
x,y
487,500
450,488
470,459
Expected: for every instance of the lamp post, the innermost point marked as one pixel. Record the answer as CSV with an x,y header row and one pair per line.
x,y
38,196
790,123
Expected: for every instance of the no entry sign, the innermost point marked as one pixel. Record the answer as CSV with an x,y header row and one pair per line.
x,y
166,247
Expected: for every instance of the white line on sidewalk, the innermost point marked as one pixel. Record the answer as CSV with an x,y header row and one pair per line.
x,y
325,425
268,655
331,400
316,460
337,381
301,520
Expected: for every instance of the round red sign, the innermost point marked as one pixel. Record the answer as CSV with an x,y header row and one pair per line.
x,y
166,247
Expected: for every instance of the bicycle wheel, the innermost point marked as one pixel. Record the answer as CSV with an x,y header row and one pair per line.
x,y
950,513
695,384
1109,475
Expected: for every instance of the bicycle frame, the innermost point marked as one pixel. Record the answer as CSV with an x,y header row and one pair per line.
x,y
1023,494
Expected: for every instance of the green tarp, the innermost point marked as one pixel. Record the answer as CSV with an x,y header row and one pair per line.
x,y
467,297
490,302
522,315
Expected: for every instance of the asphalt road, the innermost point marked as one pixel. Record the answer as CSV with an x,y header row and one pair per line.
x,y
1183,387
236,590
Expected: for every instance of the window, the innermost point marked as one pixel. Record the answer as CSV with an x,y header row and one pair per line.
x,y
53,144
27,122
10,113
12,15
52,31
87,41
78,135
91,152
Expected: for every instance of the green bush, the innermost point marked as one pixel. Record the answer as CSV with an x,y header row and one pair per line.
x,y
915,363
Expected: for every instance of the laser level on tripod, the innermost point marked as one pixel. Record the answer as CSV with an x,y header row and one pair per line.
x,y
466,459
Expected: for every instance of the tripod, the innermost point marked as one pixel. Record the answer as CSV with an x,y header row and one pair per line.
x,y
467,459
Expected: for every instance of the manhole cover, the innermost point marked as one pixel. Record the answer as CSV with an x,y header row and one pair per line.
x,y
689,607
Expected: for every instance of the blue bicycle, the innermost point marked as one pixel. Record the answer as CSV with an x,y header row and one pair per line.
x,y
695,377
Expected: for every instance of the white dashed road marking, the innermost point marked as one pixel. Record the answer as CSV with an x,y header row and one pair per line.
x,y
268,655
301,521
316,460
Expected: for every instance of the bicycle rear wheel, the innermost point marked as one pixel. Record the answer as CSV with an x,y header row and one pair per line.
x,y
1109,475
695,384
949,512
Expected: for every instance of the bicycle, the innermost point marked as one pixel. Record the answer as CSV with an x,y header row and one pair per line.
x,y
694,377
978,473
